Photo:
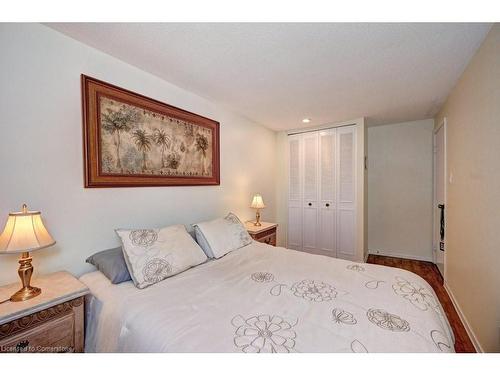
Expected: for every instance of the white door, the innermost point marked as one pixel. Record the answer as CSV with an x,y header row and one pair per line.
x,y
346,198
310,199
439,196
327,192
294,238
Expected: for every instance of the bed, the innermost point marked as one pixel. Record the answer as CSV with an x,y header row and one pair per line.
x,y
269,299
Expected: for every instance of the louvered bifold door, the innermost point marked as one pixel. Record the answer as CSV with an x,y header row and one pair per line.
x,y
327,192
310,190
346,194
294,238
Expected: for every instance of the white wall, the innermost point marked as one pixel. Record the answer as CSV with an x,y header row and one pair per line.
x,y
400,189
41,152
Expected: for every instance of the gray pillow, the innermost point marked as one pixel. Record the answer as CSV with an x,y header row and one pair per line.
x,y
112,264
202,241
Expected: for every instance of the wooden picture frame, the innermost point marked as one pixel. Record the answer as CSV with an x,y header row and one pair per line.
x,y
130,140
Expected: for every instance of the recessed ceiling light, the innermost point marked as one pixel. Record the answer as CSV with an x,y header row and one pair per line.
x,y
306,120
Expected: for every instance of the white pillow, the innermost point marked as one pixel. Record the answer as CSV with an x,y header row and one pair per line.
x,y
155,254
221,236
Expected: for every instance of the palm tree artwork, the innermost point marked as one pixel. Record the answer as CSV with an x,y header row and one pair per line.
x,y
136,140
143,143
202,146
162,140
133,140
118,122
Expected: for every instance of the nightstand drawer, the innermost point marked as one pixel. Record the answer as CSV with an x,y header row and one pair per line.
x,y
270,239
266,236
55,336
54,330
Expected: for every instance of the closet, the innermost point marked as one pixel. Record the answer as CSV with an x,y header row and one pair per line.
x,y
322,215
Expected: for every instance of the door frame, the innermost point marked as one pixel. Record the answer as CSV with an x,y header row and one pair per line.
x,y
435,244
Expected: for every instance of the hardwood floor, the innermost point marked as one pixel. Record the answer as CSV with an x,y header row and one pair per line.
x,y
430,273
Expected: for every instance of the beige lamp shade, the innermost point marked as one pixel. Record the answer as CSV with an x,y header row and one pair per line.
x,y
24,232
257,202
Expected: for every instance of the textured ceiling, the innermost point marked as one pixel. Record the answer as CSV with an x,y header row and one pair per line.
x,y
277,74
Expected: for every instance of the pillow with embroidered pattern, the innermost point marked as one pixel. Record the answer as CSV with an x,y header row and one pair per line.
x,y
152,255
221,236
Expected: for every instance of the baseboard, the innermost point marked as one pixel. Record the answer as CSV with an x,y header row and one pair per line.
x,y
462,317
400,255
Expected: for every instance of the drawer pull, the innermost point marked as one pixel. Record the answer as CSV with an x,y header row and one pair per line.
x,y
309,204
21,345
327,205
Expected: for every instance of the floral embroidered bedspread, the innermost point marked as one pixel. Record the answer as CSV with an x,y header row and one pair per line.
x,y
261,299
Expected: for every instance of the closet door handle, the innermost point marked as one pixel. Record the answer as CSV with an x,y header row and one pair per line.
x,y
309,204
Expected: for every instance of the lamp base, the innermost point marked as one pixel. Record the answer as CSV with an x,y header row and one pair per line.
x,y
25,271
257,219
25,293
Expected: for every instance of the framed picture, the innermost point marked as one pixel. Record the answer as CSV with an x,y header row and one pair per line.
x,y
133,140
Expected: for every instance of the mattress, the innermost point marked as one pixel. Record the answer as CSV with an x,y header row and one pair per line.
x,y
269,299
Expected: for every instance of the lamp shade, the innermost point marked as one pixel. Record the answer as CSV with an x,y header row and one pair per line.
x,y
257,202
24,232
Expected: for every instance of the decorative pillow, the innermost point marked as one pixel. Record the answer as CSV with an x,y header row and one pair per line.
x,y
112,264
155,254
221,236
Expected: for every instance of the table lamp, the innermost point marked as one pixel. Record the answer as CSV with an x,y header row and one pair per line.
x,y
24,232
257,203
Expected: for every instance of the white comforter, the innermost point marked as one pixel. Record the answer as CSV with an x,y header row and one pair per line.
x,y
266,299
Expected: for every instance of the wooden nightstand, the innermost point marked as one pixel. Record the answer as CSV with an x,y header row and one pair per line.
x,y
266,233
50,322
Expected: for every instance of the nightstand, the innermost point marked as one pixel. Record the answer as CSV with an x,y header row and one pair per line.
x,y
266,233
50,322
